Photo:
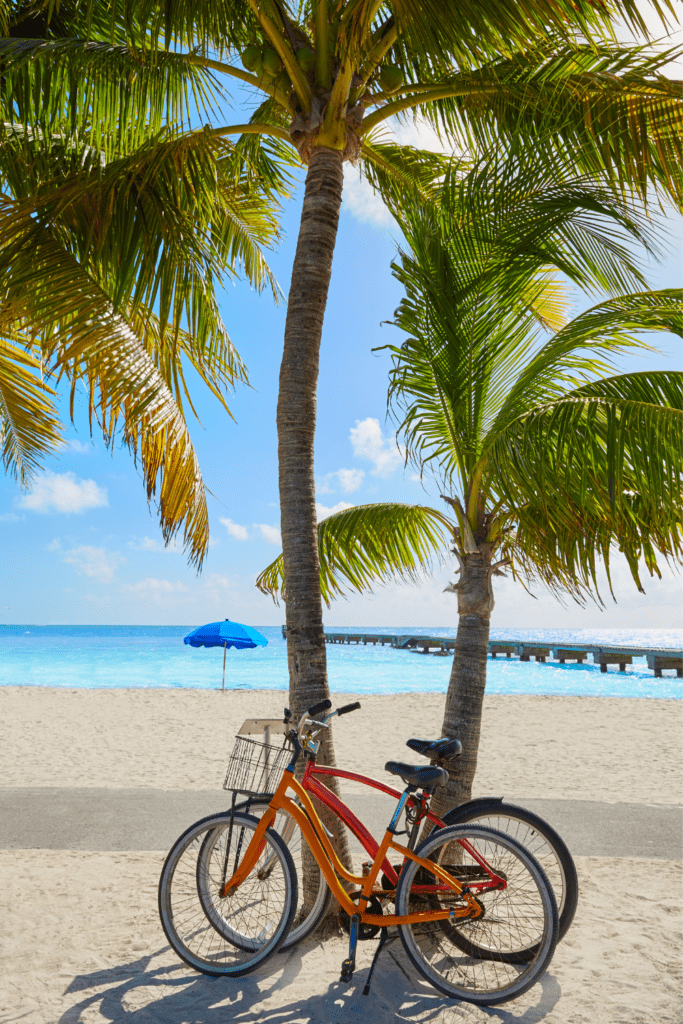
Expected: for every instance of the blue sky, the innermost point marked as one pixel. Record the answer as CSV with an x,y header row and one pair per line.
x,y
83,547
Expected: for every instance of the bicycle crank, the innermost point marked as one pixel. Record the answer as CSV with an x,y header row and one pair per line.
x,y
365,931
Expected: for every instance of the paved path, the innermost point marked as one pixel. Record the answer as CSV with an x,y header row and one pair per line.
x,y
151,819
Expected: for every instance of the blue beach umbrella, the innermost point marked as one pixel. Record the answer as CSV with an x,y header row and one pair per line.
x,y
225,634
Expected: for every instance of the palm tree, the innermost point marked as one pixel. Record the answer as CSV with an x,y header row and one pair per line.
x,y
545,463
329,74
108,271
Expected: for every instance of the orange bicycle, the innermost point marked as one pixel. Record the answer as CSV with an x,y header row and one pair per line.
x,y
228,890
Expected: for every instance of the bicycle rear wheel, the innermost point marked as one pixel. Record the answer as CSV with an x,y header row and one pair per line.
x,y
538,837
499,955
240,931
305,920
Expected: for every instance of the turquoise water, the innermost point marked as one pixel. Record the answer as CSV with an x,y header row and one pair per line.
x,y
155,656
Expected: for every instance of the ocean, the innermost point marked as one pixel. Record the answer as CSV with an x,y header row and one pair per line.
x,y
93,657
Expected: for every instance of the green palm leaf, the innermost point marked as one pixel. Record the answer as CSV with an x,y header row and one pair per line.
x,y
112,96
603,111
476,278
54,299
29,426
600,467
370,544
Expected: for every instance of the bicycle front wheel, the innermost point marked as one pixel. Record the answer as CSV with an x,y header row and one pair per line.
x,y
484,960
238,932
306,918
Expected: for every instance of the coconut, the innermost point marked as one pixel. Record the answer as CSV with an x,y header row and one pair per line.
x,y
272,64
391,78
282,82
251,58
305,59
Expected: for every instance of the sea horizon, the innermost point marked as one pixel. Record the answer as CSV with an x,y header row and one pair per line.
x,y
154,657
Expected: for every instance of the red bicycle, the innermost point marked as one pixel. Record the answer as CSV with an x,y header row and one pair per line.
x,y
527,828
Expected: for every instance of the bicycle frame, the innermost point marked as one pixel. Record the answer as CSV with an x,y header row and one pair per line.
x,y
344,812
304,814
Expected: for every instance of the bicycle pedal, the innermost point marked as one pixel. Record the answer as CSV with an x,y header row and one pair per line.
x,y
347,969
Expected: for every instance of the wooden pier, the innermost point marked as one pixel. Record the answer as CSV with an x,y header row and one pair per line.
x,y
659,659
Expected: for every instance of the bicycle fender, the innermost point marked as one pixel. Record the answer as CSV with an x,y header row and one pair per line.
x,y
482,805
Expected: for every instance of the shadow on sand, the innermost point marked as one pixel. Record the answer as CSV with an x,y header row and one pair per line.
x,y
298,987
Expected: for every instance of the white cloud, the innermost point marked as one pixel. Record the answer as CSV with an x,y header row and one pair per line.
x,y
95,563
364,203
348,479
202,595
151,587
11,517
322,511
63,492
74,445
369,443
235,530
269,533
149,544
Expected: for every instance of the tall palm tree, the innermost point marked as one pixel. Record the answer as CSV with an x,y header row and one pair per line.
x,y
546,464
107,279
329,74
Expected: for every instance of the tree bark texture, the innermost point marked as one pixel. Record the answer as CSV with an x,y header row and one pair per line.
x,y
465,697
296,419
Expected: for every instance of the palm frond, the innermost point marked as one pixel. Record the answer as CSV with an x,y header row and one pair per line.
x,y
597,468
605,111
476,277
474,32
588,344
112,96
57,303
159,227
370,544
29,426
392,169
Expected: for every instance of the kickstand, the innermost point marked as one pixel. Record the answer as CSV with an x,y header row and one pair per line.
x,y
380,944
349,965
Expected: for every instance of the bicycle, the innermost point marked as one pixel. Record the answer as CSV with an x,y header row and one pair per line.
x,y
228,889
528,828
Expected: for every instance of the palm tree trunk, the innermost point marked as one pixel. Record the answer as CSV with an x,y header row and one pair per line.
x,y
296,415
465,697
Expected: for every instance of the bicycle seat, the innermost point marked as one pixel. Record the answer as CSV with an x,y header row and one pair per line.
x,y
421,776
442,750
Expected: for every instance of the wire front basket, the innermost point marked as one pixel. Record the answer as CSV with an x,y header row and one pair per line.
x,y
256,768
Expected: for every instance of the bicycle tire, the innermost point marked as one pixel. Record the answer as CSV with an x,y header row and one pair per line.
x,y
304,924
261,909
540,838
519,917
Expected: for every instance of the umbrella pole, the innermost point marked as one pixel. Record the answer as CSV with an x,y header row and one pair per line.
x,y
225,651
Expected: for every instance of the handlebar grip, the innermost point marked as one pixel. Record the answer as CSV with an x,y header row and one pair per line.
x,y
348,707
322,705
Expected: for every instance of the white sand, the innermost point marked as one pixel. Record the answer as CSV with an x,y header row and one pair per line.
x,y
82,944
582,748
80,940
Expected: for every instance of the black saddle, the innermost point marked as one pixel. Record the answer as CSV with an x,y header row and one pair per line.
x,y
437,750
427,777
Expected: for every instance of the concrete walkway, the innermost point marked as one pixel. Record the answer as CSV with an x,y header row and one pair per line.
x,y
151,819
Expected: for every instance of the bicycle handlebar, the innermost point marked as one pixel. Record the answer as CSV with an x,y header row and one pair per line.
x,y
348,707
322,705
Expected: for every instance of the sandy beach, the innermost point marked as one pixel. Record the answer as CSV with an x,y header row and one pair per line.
x,y
81,941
